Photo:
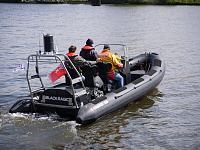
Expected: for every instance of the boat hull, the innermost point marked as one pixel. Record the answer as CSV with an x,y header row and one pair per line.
x,y
138,83
121,97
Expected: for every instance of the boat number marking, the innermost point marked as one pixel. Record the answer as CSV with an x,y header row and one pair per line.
x,y
64,99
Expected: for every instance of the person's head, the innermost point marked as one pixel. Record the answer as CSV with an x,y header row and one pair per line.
x,y
89,42
72,49
106,46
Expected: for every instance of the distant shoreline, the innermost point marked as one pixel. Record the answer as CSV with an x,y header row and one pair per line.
x,y
125,2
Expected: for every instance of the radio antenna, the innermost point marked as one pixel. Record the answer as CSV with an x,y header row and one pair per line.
x,y
40,44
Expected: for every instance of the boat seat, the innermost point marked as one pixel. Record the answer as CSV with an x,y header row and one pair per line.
x,y
87,72
71,71
103,69
137,74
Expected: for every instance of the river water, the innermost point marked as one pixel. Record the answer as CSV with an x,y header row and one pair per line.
x,y
166,118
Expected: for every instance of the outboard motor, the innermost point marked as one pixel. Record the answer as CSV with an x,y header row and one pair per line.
x,y
48,43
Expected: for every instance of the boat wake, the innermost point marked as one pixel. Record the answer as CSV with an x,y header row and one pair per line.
x,y
25,119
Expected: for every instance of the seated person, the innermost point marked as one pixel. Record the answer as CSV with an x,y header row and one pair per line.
x,y
83,66
77,60
107,56
88,52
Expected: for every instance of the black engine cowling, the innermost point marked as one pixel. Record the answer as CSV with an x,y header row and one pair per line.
x,y
24,105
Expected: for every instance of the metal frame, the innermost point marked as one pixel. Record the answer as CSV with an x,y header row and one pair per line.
x,y
124,47
57,57
125,58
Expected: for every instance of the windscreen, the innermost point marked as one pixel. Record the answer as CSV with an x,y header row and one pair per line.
x,y
117,49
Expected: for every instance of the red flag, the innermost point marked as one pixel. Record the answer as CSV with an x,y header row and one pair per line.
x,y
57,73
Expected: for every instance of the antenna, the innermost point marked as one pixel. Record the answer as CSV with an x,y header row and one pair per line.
x,y
40,46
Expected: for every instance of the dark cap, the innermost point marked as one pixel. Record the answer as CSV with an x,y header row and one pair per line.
x,y
89,42
106,46
72,48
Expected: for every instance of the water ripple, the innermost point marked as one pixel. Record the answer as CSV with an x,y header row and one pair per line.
x,y
167,118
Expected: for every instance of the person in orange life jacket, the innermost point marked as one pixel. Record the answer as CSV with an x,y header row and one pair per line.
x,y
88,52
77,60
107,56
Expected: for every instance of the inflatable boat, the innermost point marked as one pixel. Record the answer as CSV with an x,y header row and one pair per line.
x,y
53,88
